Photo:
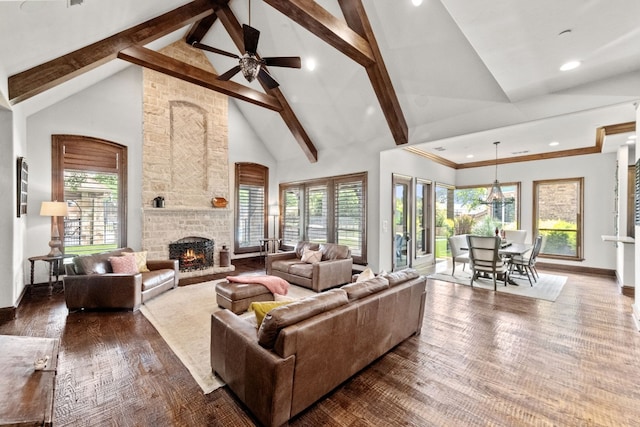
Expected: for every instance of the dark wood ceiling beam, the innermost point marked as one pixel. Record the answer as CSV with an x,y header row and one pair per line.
x,y
357,19
233,27
330,29
181,70
59,70
199,29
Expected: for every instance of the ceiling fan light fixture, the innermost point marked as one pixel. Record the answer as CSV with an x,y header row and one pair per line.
x,y
250,67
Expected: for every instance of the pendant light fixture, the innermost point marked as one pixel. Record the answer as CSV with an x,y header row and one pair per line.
x,y
496,197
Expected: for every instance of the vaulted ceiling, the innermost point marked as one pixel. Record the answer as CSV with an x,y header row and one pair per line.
x,y
445,78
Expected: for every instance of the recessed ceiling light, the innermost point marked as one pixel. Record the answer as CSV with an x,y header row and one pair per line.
x,y
469,156
553,143
632,136
571,65
630,141
416,3
310,64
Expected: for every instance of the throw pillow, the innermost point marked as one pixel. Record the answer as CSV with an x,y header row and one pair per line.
x,y
366,274
310,256
124,265
262,308
141,260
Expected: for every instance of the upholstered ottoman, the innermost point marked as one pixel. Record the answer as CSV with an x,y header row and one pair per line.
x,y
238,296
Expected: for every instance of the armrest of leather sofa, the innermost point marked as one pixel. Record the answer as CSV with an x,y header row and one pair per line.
x,y
103,291
169,264
260,378
331,273
277,256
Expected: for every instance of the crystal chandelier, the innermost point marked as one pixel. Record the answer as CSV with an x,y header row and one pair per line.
x,y
496,197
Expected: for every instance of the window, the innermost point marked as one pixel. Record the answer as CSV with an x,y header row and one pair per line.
x,y
252,182
326,210
473,217
423,218
90,175
558,206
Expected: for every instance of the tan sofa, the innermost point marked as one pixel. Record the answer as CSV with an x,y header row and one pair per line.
x,y
305,349
334,269
91,284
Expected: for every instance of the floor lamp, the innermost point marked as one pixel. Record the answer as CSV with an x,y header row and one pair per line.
x,y
54,209
274,211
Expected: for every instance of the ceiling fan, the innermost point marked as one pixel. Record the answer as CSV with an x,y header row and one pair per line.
x,y
250,63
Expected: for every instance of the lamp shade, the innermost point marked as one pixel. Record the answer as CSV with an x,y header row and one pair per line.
x,y
54,209
274,210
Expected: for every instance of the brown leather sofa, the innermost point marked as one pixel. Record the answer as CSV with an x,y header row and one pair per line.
x,y
334,269
91,284
305,349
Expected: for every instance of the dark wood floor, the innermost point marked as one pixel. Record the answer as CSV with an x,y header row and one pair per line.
x,y
482,359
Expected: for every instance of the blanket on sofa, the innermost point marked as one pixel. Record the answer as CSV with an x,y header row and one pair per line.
x,y
275,284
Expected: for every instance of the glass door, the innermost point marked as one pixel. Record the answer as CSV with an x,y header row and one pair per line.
x,y
444,221
402,221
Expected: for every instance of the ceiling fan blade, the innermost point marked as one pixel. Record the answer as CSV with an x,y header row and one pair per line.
x,y
251,36
214,50
283,61
232,72
266,79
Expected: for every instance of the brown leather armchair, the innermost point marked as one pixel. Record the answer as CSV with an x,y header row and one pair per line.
x,y
91,284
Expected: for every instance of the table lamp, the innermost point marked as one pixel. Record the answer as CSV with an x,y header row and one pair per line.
x,y
54,209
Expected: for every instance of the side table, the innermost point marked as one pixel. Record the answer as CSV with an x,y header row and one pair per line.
x,y
55,264
269,245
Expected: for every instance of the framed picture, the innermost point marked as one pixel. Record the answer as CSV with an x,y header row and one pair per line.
x,y
23,180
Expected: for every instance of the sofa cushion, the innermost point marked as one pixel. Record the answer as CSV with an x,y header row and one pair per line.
x,y
141,260
401,276
284,264
97,263
331,251
301,269
124,264
261,308
310,256
302,245
365,288
297,311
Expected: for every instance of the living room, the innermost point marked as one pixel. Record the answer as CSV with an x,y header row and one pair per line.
x,y
111,107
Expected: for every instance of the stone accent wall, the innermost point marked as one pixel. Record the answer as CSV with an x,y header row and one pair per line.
x,y
185,160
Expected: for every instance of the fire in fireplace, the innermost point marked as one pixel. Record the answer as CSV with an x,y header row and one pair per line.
x,y
193,253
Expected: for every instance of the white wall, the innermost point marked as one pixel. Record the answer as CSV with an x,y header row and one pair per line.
x,y
111,110
9,223
599,172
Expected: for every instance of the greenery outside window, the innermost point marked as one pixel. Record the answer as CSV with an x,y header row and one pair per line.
x,y
326,210
470,216
558,208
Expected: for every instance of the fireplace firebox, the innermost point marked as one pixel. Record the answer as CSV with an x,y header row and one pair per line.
x,y
192,253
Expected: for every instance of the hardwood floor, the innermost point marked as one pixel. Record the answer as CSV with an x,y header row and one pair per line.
x,y
483,358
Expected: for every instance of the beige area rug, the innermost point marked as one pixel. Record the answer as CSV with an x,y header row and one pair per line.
x,y
548,286
182,316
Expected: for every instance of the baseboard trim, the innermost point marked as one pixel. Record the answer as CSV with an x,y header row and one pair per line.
x,y
628,291
577,269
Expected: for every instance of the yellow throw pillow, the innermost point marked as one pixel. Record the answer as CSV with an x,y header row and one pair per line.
x,y
262,308
141,260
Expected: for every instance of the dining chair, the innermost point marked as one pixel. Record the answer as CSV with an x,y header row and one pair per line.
x,y
485,258
459,252
515,236
527,263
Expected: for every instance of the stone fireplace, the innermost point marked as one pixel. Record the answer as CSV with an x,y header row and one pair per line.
x,y
185,161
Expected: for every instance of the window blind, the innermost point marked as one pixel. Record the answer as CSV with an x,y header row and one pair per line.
x,y
251,198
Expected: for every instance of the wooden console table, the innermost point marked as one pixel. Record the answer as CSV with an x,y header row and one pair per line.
x,y
55,265
26,394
